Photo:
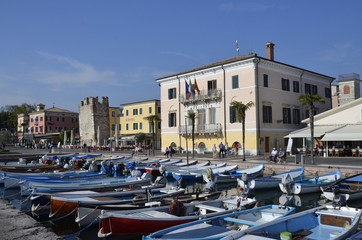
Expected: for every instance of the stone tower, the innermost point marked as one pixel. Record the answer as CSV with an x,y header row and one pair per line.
x,y
94,117
349,88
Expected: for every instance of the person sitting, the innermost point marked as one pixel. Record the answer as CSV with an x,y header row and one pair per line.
x,y
281,156
273,155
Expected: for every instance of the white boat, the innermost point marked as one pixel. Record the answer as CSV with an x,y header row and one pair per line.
x,y
169,171
214,228
325,222
308,185
349,188
271,181
154,219
198,173
231,176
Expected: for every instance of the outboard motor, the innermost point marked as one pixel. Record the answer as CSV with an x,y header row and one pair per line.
x,y
22,161
104,168
92,167
339,200
180,183
162,169
145,175
161,180
210,186
209,175
136,173
287,182
243,183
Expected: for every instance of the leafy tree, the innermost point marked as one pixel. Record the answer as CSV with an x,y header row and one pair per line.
x,y
140,138
240,110
5,137
153,119
192,116
9,114
309,101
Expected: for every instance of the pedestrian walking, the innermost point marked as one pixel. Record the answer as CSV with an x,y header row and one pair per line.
x,y
227,149
236,149
221,150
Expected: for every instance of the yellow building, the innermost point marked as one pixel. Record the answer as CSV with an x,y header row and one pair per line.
x,y
132,122
114,120
272,86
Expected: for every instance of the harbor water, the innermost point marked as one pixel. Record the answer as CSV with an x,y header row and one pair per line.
x,y
65,226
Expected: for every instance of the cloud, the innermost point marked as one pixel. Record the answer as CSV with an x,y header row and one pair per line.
x,y
5,79
178,54
76,74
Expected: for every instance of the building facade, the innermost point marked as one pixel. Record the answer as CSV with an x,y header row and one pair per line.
x,y
94,127
272,86
47,123
133,121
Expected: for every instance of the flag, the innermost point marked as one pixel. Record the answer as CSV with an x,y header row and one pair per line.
x,y
187,87
191,90
192,87
197,87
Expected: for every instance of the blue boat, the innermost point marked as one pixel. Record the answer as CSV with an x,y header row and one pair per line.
x,y
221,226
356,236
324,222
232,176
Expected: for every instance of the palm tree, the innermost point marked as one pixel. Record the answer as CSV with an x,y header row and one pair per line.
x,y
192,116
153,119
240,110
309,100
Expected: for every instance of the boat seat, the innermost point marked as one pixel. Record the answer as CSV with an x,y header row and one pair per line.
x,y
211,208
275,211
242,221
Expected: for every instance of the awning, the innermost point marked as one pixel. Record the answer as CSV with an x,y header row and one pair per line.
x,y
351,132
128,138
319,131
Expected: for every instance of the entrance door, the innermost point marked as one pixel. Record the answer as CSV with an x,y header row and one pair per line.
x,y
267,144
202,120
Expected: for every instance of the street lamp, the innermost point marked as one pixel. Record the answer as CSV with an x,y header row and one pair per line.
x,y
187,148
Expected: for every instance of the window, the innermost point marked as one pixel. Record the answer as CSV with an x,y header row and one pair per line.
x,y
126,112
158,125
285,84
327,92
211,87
41,129
307,88
63,119
314,89
172,93
296,86
113,114
119,127
287,116
212,115
140,126
150,110
113,127
41,119
36,129
267,114
127,126
232,114
57,119
135,126
140,111
266,80
296,116
172,119
135,111
158,109
235,81
150,127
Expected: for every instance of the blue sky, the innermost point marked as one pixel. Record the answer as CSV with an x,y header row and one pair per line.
x,y
59,52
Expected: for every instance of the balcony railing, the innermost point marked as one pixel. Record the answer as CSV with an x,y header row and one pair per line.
x,y
201,129
203,96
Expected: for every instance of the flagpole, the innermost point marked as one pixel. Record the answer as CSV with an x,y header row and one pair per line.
x,y
187,148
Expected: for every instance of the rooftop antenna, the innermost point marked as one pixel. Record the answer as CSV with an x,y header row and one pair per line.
x,y
251,51
53,104
237,46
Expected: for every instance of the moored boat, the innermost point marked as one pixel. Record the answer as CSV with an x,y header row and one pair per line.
x,y
153,219
231,176
217,227
349,188
324,222
308,185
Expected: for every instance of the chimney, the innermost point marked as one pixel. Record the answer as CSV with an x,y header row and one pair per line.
x,y
270,51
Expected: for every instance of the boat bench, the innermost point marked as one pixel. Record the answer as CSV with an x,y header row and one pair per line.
x,y
211,208
242,221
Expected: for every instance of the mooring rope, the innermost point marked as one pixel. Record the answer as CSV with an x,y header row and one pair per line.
x,y
77,233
